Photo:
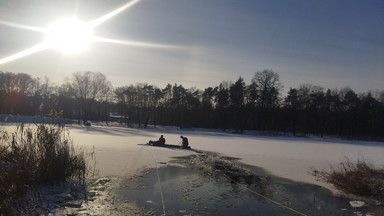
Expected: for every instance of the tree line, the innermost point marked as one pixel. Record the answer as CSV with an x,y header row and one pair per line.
x,y
260,105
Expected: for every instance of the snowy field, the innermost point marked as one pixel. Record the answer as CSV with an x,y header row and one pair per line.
x,y
120,151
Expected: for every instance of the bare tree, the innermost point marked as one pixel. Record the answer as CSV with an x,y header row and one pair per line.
x,y
267,87
88,87
15,90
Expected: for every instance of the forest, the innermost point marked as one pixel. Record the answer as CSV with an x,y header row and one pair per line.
x,y
260,105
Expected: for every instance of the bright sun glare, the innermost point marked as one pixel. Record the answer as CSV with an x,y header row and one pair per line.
x,y
69,35
73,36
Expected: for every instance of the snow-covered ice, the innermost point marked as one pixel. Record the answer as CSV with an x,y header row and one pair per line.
x,y
119,150
121,154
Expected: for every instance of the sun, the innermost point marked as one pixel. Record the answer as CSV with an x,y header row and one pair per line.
x,y
69,35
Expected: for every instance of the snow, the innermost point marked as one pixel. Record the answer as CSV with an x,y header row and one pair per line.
x,y
120,151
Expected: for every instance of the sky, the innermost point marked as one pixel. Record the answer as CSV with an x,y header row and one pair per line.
x,y
201,43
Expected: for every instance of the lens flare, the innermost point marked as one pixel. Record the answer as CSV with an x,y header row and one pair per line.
x,y
72,36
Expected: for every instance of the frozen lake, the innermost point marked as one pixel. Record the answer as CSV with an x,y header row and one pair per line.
x,y
120,153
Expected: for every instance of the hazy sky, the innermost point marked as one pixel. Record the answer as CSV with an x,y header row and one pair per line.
x,y
328,43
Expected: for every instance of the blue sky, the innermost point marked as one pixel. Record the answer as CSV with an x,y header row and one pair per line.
x,y
329,43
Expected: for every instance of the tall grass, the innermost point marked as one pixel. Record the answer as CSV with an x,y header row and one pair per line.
x,y
42,154
360,178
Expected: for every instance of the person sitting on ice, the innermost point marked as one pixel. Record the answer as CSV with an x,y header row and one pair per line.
x,y
184,141
159,142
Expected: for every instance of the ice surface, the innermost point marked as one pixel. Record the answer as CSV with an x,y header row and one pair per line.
x,y
120,151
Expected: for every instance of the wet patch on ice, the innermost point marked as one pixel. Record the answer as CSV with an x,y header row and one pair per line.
x,y
199,184
210,184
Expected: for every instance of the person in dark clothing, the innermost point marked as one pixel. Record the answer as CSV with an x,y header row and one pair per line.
x,y
159,142
184,141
